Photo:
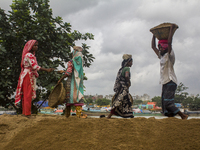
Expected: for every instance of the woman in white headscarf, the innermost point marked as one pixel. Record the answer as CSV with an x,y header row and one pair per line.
x,y
121,104
74,85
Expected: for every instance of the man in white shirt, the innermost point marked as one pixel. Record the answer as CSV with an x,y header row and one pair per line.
x,y
167,76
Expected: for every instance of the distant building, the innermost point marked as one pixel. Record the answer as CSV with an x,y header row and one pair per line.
x,y
152,103
87,96
110,96
144,97
134,97
99,96
93,97
90,96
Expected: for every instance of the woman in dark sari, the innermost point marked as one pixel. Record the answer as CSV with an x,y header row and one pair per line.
x,y
121,104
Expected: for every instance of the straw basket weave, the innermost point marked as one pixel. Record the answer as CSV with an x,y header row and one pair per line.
x,y
131,98
57,96
162,31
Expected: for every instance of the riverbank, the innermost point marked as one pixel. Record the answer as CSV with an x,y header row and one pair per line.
x,y
57,132
106,114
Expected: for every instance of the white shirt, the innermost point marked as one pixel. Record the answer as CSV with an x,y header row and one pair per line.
x,y
167,68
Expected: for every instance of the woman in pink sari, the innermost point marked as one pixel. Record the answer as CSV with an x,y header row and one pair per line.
x,y
26,88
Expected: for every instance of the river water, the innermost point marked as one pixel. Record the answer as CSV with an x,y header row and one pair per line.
x,y
156,117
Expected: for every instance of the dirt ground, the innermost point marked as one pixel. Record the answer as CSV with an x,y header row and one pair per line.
x,y
60,133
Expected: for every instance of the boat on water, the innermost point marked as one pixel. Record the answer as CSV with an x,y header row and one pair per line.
x,y
11,112
106,111
192,112
53,111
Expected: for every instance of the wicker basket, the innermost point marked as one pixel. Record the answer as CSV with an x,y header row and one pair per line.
x,y
57,96
162,31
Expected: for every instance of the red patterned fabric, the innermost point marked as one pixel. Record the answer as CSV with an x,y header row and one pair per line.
x,y
27,97
28,46
28,66
69,68
163,43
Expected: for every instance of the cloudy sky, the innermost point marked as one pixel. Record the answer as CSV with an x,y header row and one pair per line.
x,y
122,26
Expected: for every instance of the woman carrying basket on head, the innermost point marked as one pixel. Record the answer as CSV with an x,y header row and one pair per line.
x,y
74,85
27,80
121,104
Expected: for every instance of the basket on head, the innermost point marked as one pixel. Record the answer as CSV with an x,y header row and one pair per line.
x,y
57,96
162,31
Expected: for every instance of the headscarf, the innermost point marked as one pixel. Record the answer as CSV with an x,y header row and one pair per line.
x,y
127,58
27,48
77,48
163,44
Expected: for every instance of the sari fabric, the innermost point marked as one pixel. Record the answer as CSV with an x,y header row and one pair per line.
x,y
75,80
121,105
29,66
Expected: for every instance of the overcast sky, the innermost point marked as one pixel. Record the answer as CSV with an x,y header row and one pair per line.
x,y
122,26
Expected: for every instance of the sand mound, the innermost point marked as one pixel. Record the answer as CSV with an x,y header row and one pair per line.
x,y
57,132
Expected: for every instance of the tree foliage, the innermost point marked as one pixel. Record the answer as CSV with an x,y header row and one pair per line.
x,y
195,103
89,101
137,102
103,102
33,19
180,94
158,100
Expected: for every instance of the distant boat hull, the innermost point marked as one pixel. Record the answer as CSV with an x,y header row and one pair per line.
x,y
192,112
8,112
97,113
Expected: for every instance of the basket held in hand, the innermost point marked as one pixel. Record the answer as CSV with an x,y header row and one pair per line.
x,y
57,96
162,31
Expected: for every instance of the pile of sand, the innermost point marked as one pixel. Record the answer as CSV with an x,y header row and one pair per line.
x,y
57,132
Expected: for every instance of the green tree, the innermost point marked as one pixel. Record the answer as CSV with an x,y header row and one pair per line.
x,y
88,100
187,101
158,101
137,102
195,103
33,19
103,102
180,95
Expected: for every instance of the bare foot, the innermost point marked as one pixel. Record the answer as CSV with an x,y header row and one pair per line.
x,y
83,116
184,117
30,117
109,116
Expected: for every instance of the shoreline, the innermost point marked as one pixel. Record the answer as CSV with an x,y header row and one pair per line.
x,y
90,113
